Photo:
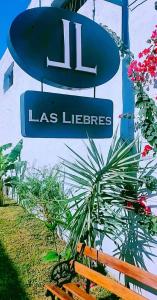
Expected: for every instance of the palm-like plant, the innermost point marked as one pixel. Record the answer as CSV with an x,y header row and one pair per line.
x,y
102,193
8,163
133,242
99,188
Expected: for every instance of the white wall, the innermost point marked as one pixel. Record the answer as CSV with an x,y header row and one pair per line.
x,y
47,151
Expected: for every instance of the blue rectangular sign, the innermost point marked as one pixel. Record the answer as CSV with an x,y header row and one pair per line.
x,y
47,115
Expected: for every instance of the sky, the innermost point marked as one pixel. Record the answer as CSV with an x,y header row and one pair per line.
x,y
9,9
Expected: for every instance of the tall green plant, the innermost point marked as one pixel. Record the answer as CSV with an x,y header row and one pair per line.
x,y
105,191
99,188
7,164
42,192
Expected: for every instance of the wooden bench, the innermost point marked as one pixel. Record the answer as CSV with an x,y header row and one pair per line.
x,y
68,290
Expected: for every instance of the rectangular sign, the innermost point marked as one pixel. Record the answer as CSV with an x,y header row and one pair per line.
x,y
47,115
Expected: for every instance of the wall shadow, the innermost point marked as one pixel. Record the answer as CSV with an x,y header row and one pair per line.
x,y
10,286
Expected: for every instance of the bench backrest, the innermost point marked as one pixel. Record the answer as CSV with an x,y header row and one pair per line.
x,y
107,283
123,267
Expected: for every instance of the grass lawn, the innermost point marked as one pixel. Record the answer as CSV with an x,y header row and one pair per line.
x,y
23,242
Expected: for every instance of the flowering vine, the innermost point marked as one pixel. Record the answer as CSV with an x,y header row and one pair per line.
x,y
143,74
139,205
145,70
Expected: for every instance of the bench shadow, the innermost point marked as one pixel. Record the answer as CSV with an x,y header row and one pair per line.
x,y
10,286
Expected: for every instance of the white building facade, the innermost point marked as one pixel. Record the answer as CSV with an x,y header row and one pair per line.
x,y
46,151
41,152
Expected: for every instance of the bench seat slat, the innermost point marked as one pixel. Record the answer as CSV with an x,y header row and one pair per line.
x,y
107,283
78,292
123,267
59,293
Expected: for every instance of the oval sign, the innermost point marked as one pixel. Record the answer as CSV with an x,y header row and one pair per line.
x,y
62,48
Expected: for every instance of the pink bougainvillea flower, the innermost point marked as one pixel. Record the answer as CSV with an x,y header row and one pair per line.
x,y
140,55
146,51
129,72
146,150
144,153
154,34
138,78
142,204
129,204
142,198
145,70
142,201
148,210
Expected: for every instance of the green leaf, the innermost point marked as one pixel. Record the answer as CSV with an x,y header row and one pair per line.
x,y
78,170
51,256
10,166
15,152
81,158
5,147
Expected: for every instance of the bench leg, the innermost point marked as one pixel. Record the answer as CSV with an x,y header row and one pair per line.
x,y
88,286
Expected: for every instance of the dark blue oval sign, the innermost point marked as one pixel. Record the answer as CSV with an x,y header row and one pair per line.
x,y
63,48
